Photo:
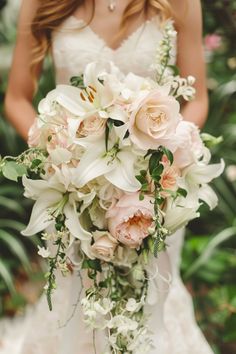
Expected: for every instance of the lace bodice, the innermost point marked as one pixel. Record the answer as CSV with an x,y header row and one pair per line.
x,y
74,45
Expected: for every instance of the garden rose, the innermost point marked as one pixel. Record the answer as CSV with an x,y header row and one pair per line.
x,y
190,145
93,125
130,218
154,119
169,178
104,245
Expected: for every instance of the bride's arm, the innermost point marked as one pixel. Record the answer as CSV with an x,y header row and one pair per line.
x,y
190,59
20,91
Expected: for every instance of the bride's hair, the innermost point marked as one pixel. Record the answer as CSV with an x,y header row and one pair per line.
x,y
51,13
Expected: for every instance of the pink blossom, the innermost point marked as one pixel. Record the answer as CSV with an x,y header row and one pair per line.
x,y
212,42
130,218
189,144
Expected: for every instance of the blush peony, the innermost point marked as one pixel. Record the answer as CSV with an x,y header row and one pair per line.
x,y
130,218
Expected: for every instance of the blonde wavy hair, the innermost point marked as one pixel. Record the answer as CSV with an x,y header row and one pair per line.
x,y
51,13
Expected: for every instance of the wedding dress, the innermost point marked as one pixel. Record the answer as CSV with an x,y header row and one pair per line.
x,y
172,320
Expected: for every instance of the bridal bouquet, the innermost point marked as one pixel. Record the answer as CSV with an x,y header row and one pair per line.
x,y
114,170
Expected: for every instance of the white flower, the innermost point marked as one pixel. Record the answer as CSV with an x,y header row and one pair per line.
x,y
116,165
44,252
100,93
53,199
123,324
132,305
177,216
60,155
195,179
104,306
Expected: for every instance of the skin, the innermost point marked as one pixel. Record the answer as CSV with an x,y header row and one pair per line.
x,y
190,59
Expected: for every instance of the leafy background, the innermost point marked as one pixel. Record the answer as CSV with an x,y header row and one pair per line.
x,y
209,256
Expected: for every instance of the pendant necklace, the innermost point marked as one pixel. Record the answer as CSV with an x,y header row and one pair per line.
x,y
111,5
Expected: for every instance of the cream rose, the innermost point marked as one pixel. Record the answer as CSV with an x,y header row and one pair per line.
x,y
130,218
93,125
154,119
104,245
189,144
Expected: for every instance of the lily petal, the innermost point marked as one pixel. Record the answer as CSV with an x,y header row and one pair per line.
x,y
34,188
178,217
123,175
74,226
207,195
40,218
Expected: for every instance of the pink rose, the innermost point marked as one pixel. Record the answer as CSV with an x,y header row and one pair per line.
x,y
212,42
189,144
169,178
93,125
130,218
154,119
104,245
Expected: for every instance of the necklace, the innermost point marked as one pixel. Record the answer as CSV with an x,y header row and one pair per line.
x,y
111,5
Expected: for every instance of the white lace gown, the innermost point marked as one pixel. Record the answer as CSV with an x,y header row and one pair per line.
x,y
62,331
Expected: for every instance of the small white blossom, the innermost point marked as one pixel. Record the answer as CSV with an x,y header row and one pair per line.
x,y
123,324
44,252
132,305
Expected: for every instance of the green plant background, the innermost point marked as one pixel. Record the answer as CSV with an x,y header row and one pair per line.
x,y
209,256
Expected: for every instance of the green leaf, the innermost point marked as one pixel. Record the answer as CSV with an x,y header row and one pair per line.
x,y
141,196
11,224
145,187
174,69
11,204
182,192
154,161
6,276
168,154
77,81
94,264
35,163
109,126
141,179
16,247
11,170
210,249
210,140
157,171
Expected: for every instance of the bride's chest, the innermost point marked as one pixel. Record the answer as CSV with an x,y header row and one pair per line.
x,y
74,45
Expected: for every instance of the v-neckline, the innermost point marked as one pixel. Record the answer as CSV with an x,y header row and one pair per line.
x,y
103,41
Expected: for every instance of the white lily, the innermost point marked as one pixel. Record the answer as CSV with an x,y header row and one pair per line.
x,y
116,164
53,199
98,95
195,179
177,216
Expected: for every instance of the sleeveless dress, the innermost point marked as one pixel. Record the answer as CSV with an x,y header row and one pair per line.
x,y
169,305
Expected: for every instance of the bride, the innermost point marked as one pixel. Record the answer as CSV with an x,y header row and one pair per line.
x,y
127,32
